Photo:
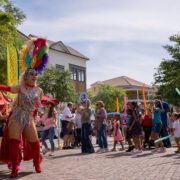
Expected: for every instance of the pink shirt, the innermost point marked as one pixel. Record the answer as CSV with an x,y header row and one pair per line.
x,y
48,122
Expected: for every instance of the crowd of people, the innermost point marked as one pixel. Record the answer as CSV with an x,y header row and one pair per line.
x,y
139,129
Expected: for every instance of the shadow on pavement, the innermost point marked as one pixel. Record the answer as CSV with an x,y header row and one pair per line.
x,y
68,155
169,155
142,155
118,155
172,162
6,175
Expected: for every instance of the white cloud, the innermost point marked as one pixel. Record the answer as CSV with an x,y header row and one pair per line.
x,y
108,25
122,37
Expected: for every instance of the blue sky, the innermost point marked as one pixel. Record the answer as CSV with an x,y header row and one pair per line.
x,y
121,37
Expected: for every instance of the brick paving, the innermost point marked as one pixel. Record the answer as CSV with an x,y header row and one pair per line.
x,y
72,165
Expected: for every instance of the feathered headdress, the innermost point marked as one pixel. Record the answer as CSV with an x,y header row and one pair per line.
x,y
34,55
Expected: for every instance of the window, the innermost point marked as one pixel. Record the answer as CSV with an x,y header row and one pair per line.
x,y
81,75
73,73
77,73
59,67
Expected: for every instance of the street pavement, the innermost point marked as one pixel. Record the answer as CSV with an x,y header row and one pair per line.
x,y
119,165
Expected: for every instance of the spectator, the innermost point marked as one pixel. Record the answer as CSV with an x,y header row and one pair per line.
x,y
176,131
117,135
157,126
87,146
164,119
101,118
135,128
2,121
128,132
147,127
70,136
78,125
66,118
49,119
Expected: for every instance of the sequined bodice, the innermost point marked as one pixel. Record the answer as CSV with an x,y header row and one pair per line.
x,y
29,98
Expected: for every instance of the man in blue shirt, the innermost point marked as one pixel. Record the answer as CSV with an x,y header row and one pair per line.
x,y
164,119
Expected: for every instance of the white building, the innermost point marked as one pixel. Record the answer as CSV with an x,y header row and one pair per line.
x,y
64,57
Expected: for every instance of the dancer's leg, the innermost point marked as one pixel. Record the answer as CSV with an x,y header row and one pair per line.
x,y
31,135
15,147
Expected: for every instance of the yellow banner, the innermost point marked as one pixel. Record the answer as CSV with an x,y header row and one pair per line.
x,y
12,67
117,104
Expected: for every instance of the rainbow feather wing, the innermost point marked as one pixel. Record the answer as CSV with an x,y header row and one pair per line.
x,y
28,60
38,59
42,59
41,52
43,64
23,57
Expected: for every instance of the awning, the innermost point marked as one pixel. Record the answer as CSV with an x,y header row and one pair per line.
x,y
46,99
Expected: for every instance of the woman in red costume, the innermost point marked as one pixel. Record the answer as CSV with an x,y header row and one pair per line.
x,y
21,124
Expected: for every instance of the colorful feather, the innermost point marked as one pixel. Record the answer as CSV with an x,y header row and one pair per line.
x,y
34,55
38,63
28,60
22,60
43,64
33,61
41,53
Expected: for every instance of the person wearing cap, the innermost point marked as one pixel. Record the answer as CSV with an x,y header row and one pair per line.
x,y
49,120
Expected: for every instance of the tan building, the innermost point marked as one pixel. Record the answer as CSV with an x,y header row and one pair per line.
x,y
133,88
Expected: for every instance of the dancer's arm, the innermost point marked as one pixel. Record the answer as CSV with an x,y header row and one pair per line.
x,y
12,89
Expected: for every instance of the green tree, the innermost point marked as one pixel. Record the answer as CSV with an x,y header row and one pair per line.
x,y
10,18
58,84
167,77
108,95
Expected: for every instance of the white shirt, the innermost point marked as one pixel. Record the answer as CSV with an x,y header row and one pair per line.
x,y
176,126
66,112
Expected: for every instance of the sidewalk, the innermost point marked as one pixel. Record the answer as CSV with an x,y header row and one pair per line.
x,y
72,165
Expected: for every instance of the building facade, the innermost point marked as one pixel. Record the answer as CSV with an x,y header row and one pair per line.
x,y
132,87
63,57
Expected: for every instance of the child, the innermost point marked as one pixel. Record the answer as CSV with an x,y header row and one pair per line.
x,y
117,135
176,130
78,126
70,135
147,127
157,126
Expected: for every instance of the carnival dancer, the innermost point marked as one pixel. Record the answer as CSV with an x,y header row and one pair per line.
x,y
21,120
